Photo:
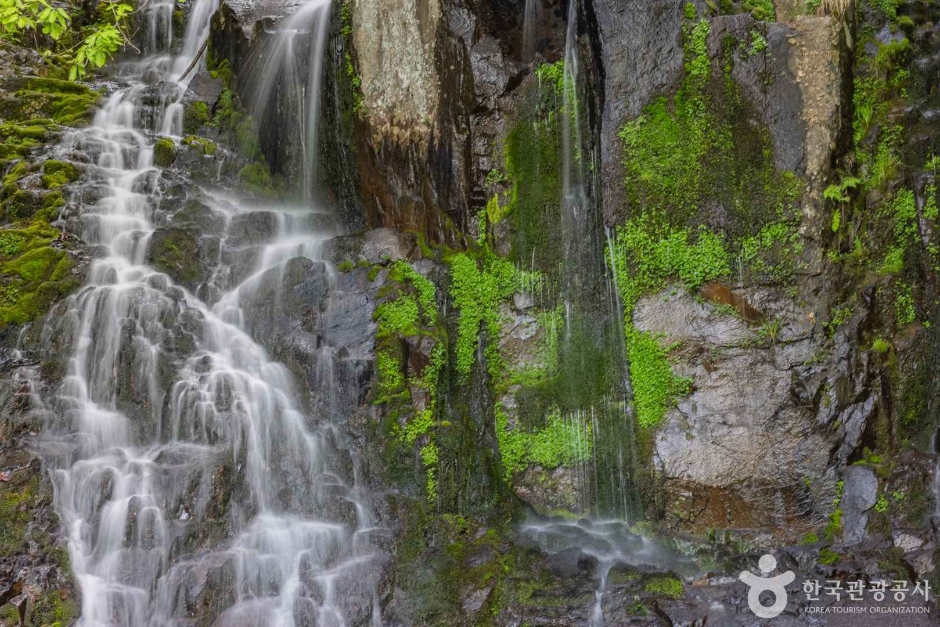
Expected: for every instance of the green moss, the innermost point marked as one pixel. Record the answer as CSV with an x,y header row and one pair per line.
x,y
477,290
256,178
560,442
195,116
552,74
55,608
345,266
532,163
64,102
19,132
828,557
205,146
666,586
880,346
39,278
410,310
760,9
164,152
56,174
810,538
15,500
648,257
175,251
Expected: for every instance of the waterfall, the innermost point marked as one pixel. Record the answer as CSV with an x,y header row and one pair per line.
x,y
530,30
284,76
591,304
183,457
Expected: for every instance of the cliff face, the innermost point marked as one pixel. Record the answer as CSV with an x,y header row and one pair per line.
x,y
673,265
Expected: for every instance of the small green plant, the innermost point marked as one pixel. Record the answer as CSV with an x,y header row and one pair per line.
x,y
904,305
552,74
840,315
758,43
828,557
760,9
882,505
666,586
810,538
880,346
345,266
495,177
770,330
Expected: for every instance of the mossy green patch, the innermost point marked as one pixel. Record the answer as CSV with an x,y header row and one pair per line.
x,y
409,311
164,152
560,442
64,102
175,251
195,116
256,178
56,174
665,586
15,500
477,289
205,146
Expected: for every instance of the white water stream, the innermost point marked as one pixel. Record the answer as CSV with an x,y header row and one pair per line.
x,y
141,487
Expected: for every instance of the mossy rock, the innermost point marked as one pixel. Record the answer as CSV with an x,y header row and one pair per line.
x,y
13,132
48,99
665,585
21,205
56,174
256,178
195,116
34,275
205,146
164,152
175,251
16,497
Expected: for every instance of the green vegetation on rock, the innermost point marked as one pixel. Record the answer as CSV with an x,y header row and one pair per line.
x,y
477,289
195,116
682,155
56,174
665,585
164,152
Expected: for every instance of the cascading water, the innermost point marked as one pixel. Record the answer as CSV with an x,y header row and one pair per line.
x,y
166,397
586,277
529,30
593,335
284,77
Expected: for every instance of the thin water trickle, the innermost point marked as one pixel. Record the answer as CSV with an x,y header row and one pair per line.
x,y
183,457
529,30
610,543
285,74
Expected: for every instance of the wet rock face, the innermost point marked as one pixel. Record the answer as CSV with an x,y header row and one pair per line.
x,y
752,444
396,44
34,571
641,57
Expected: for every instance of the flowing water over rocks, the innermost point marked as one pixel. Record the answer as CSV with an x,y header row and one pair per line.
x,y
167,395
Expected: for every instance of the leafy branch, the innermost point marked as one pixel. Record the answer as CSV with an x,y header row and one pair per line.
x,y
99,44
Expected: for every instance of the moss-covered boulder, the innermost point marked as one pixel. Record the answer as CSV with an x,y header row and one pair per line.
x,y
195,116
35,271
175,251
164,152
62,102
203,145
55,173
256,178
